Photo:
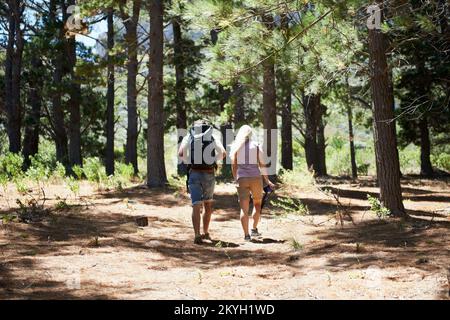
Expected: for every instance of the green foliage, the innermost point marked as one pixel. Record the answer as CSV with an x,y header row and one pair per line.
x,y
295,244
409,159
60,171
291,205
441,161
74,185
376,206
94,171
11,166
78,172
299,177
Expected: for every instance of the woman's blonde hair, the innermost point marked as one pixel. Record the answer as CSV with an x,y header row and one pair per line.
x,y
245,133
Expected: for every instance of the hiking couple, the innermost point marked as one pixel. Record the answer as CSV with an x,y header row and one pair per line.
x,y
201,152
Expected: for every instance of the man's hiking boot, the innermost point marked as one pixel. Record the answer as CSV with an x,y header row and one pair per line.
x,y
248,238
198,240
255,233
206,236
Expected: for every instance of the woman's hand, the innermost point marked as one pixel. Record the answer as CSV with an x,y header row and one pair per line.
x,y
271,185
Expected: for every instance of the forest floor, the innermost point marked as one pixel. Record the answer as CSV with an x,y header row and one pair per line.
x,y
91,248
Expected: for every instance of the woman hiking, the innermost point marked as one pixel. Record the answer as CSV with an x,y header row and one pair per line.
x,y
249,171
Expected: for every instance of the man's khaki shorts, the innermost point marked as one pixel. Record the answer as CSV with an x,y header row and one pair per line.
x,y
253,185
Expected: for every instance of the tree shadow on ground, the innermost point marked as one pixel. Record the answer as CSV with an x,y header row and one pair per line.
x,y
385,244
26,284
160,197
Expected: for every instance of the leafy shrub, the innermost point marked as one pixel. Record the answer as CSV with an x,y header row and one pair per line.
x,y
290,205
375,205
78,172
94,171
300,177
11,166
363,169
60,171
409,159
295,244
124,171
441,161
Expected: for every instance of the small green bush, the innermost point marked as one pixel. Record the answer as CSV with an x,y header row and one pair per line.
x,y
299,177
376,206
94,171
11,166
441,161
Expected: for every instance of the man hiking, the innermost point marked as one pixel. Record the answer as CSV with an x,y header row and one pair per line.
x,y
200,151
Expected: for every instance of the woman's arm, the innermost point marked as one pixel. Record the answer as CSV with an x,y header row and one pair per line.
x,y
234,166
263,169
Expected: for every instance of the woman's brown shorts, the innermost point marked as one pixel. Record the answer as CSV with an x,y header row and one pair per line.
x,y
253,185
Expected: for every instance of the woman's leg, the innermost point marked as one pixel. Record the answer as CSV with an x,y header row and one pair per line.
x,y
256,213
244,203
256,188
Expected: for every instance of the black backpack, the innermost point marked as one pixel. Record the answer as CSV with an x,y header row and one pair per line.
x,y
200,136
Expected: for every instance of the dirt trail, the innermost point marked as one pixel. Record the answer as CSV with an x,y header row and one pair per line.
x,y
94,250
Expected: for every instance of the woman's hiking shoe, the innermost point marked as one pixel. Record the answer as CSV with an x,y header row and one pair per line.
x,y
198,240
248,238
206,236
255,233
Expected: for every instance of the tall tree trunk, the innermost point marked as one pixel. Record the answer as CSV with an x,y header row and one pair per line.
x,y
180,85
74,107
239,105
270,105
270,113
156,169
386,153
311,105
426,168
285,83
224,97
131,37
59,128
31,138
351,139
13,70
286,122
321,143
110,98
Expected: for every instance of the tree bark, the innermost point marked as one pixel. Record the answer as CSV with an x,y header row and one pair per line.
x,y
110,98
426,169
321,144
270,104
59,128
386,153
180,85
239,105
286,122
32,127
131,38
74,106
13,70
311,105
156,169
351,139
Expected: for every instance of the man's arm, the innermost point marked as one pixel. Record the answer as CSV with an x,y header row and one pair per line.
x,y
182,149
221,152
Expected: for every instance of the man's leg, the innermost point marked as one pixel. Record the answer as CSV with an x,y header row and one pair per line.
x,y
195,189
208,184
207,215
196,212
